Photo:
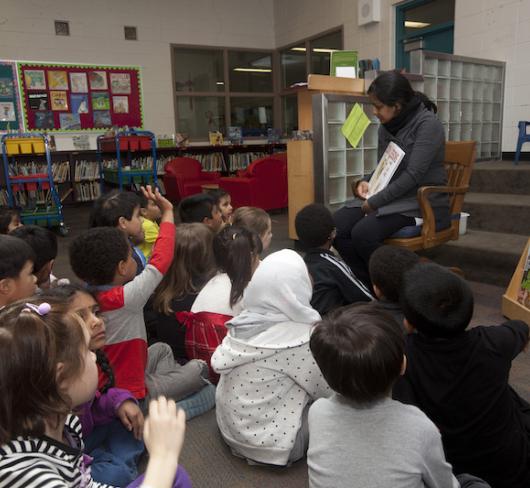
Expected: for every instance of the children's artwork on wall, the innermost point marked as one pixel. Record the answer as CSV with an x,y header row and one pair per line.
x,y
44,120
100,101
35,80
59,100
70,121
78,83
79,103
120,105
98,80
7,112
38,101
120,83
6,87
88,93
10,112
57,80
102,118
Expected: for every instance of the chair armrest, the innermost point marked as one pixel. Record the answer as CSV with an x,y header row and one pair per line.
x,y
428,230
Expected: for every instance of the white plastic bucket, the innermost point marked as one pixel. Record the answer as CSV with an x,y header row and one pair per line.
x,y
463,223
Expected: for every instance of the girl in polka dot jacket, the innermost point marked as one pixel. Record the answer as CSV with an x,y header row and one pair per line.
x,y
268,375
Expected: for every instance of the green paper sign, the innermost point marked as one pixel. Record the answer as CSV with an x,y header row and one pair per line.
x,y
355,125
344,60
9,107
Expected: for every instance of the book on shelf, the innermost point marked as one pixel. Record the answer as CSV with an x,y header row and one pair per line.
x,y
523,295
386,168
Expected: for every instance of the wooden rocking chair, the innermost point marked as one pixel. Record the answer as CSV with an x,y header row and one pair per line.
x,y
459,160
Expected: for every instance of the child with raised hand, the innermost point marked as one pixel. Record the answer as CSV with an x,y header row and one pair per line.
x,y
9,219
223,200
121,209
150,215
459,377
256,220
103,259
41,443
334,284
17,280
112,422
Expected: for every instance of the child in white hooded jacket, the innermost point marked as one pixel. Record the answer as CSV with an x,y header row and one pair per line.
x,y
268,375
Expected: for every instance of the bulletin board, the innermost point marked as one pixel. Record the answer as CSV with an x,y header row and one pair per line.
x,y
10,113
67,97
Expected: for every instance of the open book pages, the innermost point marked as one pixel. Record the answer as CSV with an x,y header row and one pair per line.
x,y
386,168
523,296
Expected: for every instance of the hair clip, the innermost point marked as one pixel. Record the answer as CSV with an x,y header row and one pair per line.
x,y
41,309
234,235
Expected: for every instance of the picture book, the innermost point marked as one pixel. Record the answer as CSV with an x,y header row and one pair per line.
x,y
57,80
59,100
216,138
100,101
120,83
78,82
70,121
386,168
6,87
38,101
35,79
523,296
98,80
79,103
44,120
102,118
7,112
235,134
120,105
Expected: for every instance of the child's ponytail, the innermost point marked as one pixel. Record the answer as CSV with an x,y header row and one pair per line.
x,y
103,362
235,250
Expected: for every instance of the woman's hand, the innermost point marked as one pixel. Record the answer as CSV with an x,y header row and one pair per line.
x,y
365,207
361,189
132,418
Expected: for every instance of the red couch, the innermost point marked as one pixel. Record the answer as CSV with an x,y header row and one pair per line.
x,y
184,176
263,184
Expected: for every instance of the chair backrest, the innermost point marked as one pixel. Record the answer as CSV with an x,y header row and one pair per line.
x,y
184,167
459,160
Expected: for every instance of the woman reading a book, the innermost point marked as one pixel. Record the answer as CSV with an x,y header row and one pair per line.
x,y
408,119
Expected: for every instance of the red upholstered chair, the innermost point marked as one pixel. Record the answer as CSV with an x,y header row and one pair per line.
x,y
263,184
184,176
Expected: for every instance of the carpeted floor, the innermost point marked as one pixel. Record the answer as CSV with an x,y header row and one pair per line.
x,y
205,456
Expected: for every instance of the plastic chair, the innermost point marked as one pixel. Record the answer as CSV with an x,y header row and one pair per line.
x,y
523,137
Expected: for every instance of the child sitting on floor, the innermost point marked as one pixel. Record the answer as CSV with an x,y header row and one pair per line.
x,y
122,211
361,437
268,377
103,259
334,284
459,378
255,220
201,208
41,443
17,280
224,204
150,216
192,267
112,423
9,219
387,266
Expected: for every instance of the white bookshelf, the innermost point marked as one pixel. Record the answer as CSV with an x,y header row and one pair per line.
x,y
469,94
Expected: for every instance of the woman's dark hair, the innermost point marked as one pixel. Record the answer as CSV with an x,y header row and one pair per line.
x,y
235,249
359,350
60,298
391,88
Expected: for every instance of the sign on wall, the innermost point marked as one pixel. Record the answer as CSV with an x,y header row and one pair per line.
x,y
10,113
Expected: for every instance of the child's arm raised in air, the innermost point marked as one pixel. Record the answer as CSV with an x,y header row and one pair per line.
x,y
137,292
163,436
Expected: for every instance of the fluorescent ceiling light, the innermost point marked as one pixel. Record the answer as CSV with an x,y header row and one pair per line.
x,y
411,24
315,49
301,49
220,83
254,70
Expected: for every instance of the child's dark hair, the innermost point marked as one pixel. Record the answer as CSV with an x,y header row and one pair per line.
x,y
435,301
196,208
217,195
314,225
359,351
391,88
108,208
31,346
235,249
43,242
95,254
6,216
387,266
60,298
142,199
14,254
